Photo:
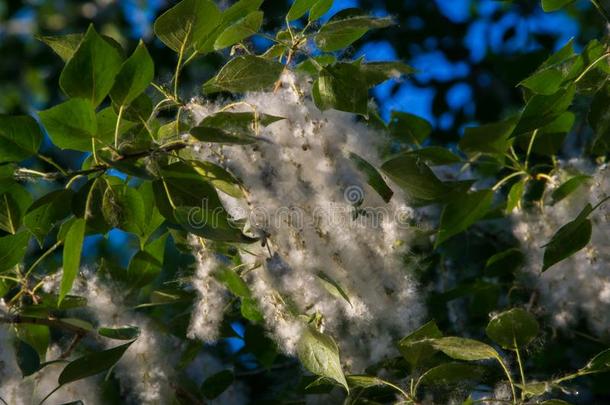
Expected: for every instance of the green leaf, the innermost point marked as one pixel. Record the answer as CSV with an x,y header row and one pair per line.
x,y
515,194
513,329
340,33
599,119
409,127
332,286
234,283
27,358
550,138
63,45
10,214
187,23
463,211
554,5
363,381
320,355
373,177
416,179
71,124
319,8
546,81
147,263
123,207
219,177
106,126
568,187
342,87
37,336
415,348
242,29
88,204
45,212
123,333
90,73
600,363
91,364
134,77
464,349
20,138
12,249
506,262
216,384
541,110
451,374
232,128
435,155
299,8
569,239
493,139
378,72
73,246
245,73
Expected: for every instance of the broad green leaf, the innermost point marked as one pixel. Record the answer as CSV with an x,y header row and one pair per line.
x,y
134,77
123,207
332,286
515,194
599,363
216,384
313,65
249,310
147,263
409,127
63,45
91,364
234,283
37,336
12,249
187,23
506,262
599,119
20,138
220,178
363,381
319,8
242,29
71,124
451,374
320,355
106,126
378,72
541,110
463,211
45,212
217,135
490,138
373,177
416,179
550,138
299,8
245,73
546,81
568,187
554,5
88,204
343,87
464,349
435,155
232,127
415,348
569,239
123,333
91,71
73,247
513,329
27,358
10,214
341,33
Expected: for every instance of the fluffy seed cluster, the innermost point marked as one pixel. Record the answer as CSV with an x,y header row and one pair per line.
x,y
323,227
578,287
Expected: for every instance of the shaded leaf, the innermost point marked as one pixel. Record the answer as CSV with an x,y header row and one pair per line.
x,y
134,77
409,127
463,211
91,364
513,329
71,124
216,384
569,239
245,73
242,29
341,33
415,348
320,355
373,177
20,137
73,246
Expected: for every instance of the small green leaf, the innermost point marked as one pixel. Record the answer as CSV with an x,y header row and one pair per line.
x,y
332,286
217,135
546,81
435,155
320,355
541,110
492,139
452,374
245,73
91,71
363,381
463,211
216,384
319,8
20,138
134,77
27,358
515,194
600,363
187,23
513,329
415,348
12,249
343,87
37,336
63,45
10,214
91,364
220,178
599,120
71,124
234,283
123,333
464,349
554,5
409,127
378,72
341,33
147,263
505,262
242,29
73,246
299,8
568,187
373,177
45,212
569,239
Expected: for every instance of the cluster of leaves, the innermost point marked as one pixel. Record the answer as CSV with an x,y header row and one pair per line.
x,y
139,176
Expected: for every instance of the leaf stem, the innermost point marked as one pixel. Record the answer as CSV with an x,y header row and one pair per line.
x,y
521,372
42,257
51,162
601,10
510,378
118,126
507,178
529,148
591,66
